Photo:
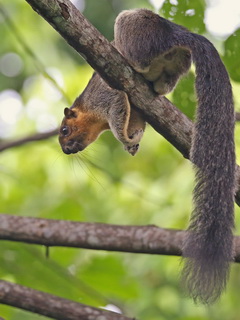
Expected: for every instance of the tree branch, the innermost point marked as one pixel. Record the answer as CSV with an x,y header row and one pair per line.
x,y
27,139
96,236
50,305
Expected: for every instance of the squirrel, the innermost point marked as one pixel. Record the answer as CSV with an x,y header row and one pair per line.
x,y
162,52
97,109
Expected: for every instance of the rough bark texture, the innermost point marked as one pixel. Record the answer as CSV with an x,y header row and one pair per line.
x,y
98,236
50,305
136,239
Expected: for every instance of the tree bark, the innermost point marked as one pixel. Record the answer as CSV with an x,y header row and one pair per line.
x,y
96,236
51,306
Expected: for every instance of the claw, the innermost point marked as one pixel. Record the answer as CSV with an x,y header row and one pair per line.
x,y
132,149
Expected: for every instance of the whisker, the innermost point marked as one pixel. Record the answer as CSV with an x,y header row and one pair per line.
x,y
85,165
60,154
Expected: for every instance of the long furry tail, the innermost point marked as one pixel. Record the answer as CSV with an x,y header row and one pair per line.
x,y
209,245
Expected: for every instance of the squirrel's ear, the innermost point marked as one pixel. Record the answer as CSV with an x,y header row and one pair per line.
x,y
69,113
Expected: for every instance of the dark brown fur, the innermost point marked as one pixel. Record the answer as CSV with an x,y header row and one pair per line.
x,y
97,109
144,38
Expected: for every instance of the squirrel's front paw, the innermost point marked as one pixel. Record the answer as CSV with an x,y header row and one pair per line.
x,y
132,149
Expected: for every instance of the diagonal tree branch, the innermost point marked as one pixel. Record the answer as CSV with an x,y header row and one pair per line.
x,y
51,306
114,69
135,239
34,137
162,115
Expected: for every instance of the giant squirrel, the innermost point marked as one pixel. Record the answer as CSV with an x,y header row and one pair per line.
x,y
162,52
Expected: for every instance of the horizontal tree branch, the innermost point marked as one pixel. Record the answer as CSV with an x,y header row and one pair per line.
x,y
135,239
97,236
30,138
162,115
51,306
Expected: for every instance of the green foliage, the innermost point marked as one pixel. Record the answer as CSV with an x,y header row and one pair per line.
x,y
231,51
184,96
188,13
102,184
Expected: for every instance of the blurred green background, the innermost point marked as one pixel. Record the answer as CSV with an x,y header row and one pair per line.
x,y
103,183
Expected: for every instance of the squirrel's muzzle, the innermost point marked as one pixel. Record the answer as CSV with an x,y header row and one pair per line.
x,y
72,147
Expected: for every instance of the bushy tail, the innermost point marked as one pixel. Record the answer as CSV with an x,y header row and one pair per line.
x,y
209,245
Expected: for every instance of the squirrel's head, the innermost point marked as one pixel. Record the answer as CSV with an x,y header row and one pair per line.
x,y
79,129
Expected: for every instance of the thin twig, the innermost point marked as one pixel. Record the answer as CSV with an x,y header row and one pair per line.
x,y
42,136
35,137
38,63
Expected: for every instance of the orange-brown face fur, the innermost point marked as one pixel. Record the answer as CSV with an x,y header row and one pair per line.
x,y
79,129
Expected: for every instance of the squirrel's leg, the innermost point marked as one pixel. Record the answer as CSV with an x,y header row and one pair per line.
x,y
166,69
126,124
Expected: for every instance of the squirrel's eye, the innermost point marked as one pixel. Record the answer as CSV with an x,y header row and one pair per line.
x,y
65,131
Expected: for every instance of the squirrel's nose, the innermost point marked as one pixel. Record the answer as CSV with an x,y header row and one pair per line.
x,y
67,150
72,147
